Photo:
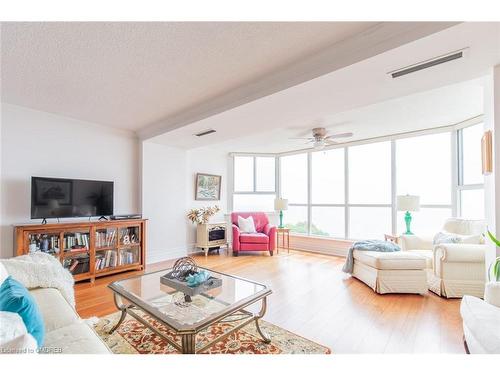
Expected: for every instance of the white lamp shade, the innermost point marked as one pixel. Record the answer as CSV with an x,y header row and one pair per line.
x,y
280,204
408,202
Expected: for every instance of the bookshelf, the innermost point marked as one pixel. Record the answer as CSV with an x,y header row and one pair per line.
x,y
87,249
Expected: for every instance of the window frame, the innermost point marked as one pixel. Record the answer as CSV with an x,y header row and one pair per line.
x,y
254,191
456,166
460,185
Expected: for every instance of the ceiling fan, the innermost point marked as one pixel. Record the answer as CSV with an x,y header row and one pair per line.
x,y
320,138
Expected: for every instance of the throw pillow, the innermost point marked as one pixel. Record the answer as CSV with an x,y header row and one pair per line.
x,y
24,344
3,273
444,237
246,225
14,297
12,326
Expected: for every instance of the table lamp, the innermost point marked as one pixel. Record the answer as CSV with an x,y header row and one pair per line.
x,y
408,203
280,205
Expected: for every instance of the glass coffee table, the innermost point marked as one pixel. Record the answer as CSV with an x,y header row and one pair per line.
x,y
167,306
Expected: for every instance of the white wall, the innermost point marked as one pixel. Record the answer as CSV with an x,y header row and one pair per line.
x,y
37,143
208,160
492,181
164,200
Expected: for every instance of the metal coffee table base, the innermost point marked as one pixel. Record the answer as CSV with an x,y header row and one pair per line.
x,y
188,339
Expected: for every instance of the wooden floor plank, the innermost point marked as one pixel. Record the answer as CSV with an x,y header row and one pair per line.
x,y
314,298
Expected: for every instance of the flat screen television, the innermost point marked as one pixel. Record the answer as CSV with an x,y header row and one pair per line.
x,y
62,198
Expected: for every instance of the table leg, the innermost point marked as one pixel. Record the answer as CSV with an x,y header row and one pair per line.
x,y
288,242
189,344
123,308
261,313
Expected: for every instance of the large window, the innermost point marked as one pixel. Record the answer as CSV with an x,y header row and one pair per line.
x,y
424,168
254,183
349,192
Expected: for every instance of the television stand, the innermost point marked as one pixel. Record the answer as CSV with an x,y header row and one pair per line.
x,y
103,218
44,221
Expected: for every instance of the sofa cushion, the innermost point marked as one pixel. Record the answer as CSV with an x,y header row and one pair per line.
x,y
401,260
482,321
427,254
254,238
77,338
55,310
14,297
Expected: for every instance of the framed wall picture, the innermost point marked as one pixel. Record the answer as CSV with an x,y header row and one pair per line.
x,y
487,153
207,187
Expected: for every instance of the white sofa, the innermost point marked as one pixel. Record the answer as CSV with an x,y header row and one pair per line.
x,y
481,321
454,269
65,332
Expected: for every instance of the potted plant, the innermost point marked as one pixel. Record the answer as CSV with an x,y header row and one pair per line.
x,y
202,215
494,269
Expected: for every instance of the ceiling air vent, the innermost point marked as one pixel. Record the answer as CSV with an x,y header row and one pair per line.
x,y
428,63
205,132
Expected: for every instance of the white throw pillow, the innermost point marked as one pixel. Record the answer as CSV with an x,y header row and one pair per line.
x,y
24,344
3,273
12,326
446,237
246,225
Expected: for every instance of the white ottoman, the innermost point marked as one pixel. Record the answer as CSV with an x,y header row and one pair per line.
x,y
397,272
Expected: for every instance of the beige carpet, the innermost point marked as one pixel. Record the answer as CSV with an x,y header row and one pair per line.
x,y
134,338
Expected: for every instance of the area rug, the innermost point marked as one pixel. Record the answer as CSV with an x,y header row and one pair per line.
x,y
132,337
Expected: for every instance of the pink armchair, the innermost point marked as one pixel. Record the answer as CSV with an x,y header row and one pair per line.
x,y
263,240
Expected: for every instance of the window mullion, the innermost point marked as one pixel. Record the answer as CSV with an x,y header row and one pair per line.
x,y
346,193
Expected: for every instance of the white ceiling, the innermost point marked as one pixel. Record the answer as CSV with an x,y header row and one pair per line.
x,y
362,96
129,75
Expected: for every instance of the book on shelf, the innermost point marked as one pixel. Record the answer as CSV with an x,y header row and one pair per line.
x,y
106,260
105,239
77,241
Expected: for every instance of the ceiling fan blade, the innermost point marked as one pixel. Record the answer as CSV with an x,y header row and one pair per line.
x,y
340,135
301,138
330,142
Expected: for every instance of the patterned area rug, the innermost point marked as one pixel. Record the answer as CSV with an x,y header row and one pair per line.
x,y
132,337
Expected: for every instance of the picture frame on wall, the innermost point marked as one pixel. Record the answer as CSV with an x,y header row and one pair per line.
x,y
487,153
207,187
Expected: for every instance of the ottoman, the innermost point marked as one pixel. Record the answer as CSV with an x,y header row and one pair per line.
x,y
397,272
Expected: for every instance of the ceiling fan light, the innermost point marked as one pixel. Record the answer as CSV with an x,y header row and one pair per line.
x,y
319,145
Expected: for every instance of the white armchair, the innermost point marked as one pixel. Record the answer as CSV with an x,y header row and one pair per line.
x,y
454,269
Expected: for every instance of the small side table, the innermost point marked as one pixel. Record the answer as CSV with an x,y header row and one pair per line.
x,y
392,238
283,232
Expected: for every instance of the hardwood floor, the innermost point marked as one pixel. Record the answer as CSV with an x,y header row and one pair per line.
x,y
313,298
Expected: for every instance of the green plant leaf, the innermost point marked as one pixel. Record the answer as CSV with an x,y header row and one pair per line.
x,y
493,238
496,270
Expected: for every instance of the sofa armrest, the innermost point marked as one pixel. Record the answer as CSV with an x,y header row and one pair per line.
x,y
460,253
413,242
492,293
270,231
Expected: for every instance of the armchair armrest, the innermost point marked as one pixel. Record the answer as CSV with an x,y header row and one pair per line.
x,y
460,252
413,242
270,231
236,238
492,293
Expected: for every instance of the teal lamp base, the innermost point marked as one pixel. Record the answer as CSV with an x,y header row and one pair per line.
x,y
408,222
281,220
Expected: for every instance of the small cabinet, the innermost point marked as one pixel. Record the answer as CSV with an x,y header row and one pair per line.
x,y
211,236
